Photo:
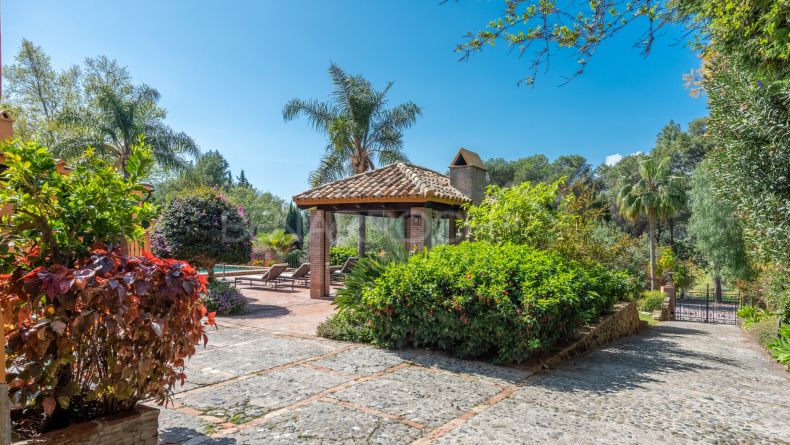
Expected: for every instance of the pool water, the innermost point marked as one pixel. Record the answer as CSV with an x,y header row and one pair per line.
x,y
229,268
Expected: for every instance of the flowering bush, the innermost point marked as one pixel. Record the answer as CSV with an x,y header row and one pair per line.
x,y
93,340
204,229
224,299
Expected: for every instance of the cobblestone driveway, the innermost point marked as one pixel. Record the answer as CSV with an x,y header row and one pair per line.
x,y
676,383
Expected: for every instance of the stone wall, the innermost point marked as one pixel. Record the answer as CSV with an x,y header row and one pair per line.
x,y
623,322
141,426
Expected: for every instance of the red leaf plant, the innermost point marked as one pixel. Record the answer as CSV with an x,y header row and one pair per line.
x,y
92,341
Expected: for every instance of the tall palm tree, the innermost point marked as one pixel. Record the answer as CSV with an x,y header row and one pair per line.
x,y
361,131
657,194
120,120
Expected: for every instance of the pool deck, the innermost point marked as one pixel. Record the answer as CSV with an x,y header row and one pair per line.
x,y
282,310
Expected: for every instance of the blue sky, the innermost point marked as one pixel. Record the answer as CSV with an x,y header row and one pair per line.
x,y
226,68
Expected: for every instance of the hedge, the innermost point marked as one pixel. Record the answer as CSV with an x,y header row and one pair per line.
x,y
477,299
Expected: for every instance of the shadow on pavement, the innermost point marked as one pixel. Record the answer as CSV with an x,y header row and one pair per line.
x,y
633,362
168,436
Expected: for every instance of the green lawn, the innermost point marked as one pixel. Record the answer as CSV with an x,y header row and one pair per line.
x,y
648,317
707,280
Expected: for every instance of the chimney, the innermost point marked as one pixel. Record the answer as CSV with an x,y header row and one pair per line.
x,y
468,175
6,126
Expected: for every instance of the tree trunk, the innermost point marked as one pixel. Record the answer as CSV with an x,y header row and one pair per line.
x,y
210,270
657,230
672,234
717,280
651,233
362,236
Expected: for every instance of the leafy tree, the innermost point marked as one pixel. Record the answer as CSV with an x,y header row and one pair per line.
x,y
203,228
750,122
523,214
500,172
573,168
687,149
534,169
58,217
211,170
717,232
95,106
753,32
361,130
264,211
656,194
40,95
538,168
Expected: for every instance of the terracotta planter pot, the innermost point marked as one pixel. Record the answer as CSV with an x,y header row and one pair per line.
x,y
138,426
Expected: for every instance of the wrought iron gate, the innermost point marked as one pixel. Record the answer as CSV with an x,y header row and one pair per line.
x,y
703,307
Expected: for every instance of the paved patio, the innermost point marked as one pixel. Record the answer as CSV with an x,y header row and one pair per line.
x,y
283,310
676,383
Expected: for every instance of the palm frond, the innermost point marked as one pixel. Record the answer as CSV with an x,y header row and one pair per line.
x,y
334,166
318,114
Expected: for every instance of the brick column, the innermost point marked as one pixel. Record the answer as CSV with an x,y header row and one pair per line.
x,y
319,253
669,291
419,228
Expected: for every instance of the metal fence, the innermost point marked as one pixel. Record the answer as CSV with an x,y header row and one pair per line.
x,y
704,307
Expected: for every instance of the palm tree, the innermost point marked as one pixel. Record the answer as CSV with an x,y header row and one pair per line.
x,y
278,241
657,194
362,132
120,120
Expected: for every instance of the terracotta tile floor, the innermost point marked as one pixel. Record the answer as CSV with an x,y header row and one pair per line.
x,y
282,310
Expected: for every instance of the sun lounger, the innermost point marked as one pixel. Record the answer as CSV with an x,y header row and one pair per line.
x,y
340,274
300,275
270,277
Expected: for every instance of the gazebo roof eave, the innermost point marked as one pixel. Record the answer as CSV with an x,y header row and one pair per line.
x,y
363,205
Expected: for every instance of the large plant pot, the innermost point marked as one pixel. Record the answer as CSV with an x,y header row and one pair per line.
x,y
138,426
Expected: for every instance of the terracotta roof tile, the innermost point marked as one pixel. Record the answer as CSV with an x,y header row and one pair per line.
x,y
399,182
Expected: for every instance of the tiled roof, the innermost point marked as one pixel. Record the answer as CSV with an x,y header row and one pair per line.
x,y
466,157
394,183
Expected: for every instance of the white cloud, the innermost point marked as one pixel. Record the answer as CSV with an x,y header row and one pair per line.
x,y
613,159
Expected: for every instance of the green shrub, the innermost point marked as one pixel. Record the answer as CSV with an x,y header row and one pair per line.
x,y
752,314
764,329
651,300
780,348
339,254
347,325
58,218
294,258
224,299
477,299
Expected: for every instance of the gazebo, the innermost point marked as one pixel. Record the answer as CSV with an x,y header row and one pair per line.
x,y
415,194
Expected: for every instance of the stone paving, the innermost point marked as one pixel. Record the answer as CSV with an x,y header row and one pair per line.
x,y
674,383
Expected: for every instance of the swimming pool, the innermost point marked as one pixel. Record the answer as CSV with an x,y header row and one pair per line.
x,y
222,269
